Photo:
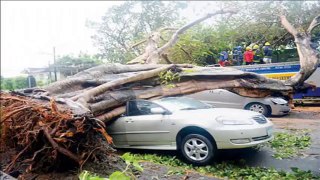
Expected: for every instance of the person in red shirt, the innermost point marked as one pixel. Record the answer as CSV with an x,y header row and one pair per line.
x,y
248,56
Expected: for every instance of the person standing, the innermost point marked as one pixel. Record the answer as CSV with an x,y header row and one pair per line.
x,y
230,57
248,56
267,52
237,55
240,55
235,59
223,57
256,54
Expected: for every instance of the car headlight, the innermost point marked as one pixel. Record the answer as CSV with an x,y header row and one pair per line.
x,y
278,101
233,121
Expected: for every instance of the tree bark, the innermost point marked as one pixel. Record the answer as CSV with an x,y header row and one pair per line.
x,y
86,96
309,57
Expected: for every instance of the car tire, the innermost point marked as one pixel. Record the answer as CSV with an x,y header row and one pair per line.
x,y
258,107
197,149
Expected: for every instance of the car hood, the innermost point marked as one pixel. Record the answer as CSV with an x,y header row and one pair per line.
x,y
218,112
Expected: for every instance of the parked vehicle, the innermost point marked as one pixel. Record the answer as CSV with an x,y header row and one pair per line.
x,y
190,126
226,99
284,71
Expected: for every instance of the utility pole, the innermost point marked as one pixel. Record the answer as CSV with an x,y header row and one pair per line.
x,y
49,77
54,64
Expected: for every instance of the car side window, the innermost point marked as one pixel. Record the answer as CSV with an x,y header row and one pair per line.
x,y
138,108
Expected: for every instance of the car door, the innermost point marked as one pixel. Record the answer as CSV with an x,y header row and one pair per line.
x,y
144,128
117,130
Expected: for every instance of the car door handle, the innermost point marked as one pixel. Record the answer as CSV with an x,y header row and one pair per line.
x,y
129,121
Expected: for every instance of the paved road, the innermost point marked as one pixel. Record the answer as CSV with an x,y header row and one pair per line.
x,y
300,118
263,158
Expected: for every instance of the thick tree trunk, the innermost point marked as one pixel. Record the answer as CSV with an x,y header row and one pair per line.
x,y
86,96
309,57
98,74
100,99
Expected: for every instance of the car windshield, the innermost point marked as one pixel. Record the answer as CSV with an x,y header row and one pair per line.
x,y
182,103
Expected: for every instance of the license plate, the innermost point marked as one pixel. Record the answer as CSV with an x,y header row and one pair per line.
x,y
269,131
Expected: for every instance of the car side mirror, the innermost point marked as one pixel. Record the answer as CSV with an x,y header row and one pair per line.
x,y
157,110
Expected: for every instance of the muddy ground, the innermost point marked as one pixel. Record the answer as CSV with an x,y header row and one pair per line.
x,y
307,117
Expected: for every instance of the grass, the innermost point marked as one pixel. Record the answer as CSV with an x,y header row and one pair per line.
x,y
289,144
227,170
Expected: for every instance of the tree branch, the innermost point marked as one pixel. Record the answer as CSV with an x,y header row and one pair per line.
x,y
165,57
187,53
138,43
160,31
175,36
286,24
155,55
167,29
315,22
279,39
309,57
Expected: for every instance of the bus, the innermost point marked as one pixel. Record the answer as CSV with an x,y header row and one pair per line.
x,y
284,71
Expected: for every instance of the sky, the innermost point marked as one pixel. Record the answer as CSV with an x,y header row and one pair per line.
x,y
30,30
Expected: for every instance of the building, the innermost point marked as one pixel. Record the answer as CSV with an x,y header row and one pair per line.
x,y
43,75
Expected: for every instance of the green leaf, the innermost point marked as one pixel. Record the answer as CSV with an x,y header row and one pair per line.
x,y
117,175
295,169
137,166
289,144
97,178
86,175
127,157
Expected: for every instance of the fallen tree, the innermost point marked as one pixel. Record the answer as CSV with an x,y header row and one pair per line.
x,y
65,120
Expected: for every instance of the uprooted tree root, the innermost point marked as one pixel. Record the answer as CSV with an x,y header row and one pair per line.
x,y
46,137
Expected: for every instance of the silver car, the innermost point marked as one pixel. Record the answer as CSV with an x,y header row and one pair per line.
x,y
224,98
190,126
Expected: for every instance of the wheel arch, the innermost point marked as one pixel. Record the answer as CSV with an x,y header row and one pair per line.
x,y
267,105
193,130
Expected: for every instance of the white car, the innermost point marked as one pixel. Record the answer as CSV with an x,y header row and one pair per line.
x,y
226,99
194,128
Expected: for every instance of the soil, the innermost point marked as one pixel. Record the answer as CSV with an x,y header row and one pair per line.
x,y
302,117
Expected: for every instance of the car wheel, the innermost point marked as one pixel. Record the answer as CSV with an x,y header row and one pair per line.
x,y
258,107
197,149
